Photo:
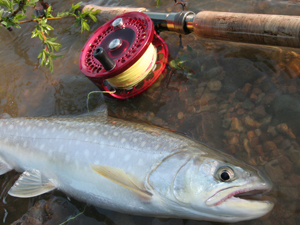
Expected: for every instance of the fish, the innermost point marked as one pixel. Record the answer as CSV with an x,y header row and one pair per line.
x,y
129,167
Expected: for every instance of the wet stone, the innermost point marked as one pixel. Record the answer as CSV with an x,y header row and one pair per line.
x,y
294,179
256,91
236,125
180,115
290,192
286,143
286,164
259,112
266,120
240,96
292,89
226,123
274,171
269,146
283,128
259,149
247,87
250,134
233,140
214,85
253,97
249,122
254,141
248,104
272,131
258,132
260,97
240,111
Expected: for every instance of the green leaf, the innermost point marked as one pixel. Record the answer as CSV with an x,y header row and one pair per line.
x,y
189,49
1,12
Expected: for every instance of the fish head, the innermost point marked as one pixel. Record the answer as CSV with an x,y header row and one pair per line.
x,y
213,187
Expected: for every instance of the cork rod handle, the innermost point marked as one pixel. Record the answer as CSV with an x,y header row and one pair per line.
x,y
250,28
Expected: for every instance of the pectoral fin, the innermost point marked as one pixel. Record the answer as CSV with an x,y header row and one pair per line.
x,y
30,184
118,176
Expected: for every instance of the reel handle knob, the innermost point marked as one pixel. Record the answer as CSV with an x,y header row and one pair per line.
x,y
101,55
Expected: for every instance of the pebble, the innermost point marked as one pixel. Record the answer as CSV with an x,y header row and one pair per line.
x,y
240,111
260,97
259,150
248,105
283,128
258,132
271,130
249,122
233,140
213,72
274,171
256,91
180,115
250,134
269,146
286,143
247,147
267,119
226,123
247,87
239,95
290,192
236,125
214,85
285,164
292,89
253,141
259,112
294,179
253,97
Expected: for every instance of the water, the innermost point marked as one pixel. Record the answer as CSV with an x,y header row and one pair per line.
x,y
242,99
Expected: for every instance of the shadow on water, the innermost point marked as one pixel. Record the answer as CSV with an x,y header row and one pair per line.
x,y
242,99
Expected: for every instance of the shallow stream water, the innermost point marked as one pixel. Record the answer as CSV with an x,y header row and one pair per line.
x,y
239,98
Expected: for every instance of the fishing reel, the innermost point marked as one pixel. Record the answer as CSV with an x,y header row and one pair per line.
x,y
125,56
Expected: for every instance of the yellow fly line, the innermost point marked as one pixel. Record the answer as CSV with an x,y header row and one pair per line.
x,y
137,72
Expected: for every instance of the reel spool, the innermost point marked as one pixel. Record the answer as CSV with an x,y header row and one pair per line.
x,y
124,55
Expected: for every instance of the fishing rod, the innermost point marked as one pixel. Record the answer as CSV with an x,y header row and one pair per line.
x,y
125,56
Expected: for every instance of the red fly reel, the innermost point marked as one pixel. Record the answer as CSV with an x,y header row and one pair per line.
x,y
124,42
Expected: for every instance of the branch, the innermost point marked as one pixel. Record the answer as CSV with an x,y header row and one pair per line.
x,y
49,18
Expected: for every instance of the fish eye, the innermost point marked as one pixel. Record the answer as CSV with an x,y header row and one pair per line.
x,y
225,174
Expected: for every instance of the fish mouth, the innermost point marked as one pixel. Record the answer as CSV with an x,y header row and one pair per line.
x,y
246,196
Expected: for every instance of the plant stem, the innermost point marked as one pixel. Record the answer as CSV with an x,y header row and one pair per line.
x,y
49,18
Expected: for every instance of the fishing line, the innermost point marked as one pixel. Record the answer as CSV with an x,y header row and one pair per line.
x,y
137,72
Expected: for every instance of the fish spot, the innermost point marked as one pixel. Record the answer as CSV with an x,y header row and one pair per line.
x,y
140,162
81,130
112,155
127,157
143,143
156,147
123,140
87,131
86,153
22,123
116,133
68,158
61,148
106,133
96,132
40,124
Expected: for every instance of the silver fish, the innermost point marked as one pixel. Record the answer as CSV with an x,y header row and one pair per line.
x,y
129,167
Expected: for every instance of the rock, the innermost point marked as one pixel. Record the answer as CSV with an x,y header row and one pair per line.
x,y
256,91
212,73
214,85
285,164
259,112
199,92
286,143
180,115
283,128
239,95
253,141
260,97
259,150
253,97
269,146
250,134
249,122
258,132
240,111
246,88
291,134
292,89
226,123
247,147
290,192
224,106
274,171
229,134
233,140
248,104
294,179
267,119
272,131
236,125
